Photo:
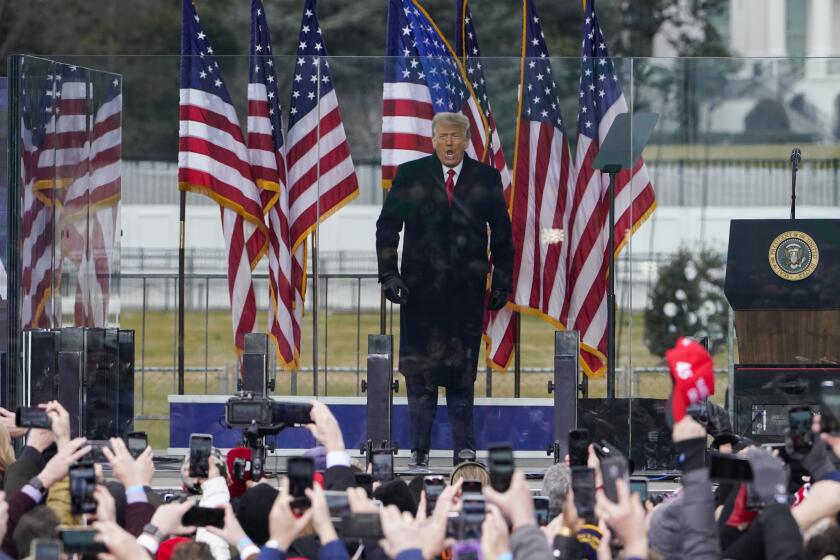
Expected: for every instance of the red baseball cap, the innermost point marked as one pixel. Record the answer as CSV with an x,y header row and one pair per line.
x,y
692,371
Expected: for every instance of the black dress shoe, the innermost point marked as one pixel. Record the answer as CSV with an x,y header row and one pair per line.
x,y
419,459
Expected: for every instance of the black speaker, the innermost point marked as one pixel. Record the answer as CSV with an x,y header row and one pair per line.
x,y
69,392
40,365
564,387
257,364
96,380
125,398
99,394
379,386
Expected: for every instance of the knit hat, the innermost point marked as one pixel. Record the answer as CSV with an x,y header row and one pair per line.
x,y
253,509
396,493
589,537
665,533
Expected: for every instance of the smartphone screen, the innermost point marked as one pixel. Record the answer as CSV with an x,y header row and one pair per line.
x,y
82,485
729,468
578,448
204,517
830,407
541,510
639,485
614,469
383,465
500,459
80,540
361,526
45,549
473,511
583,486
471,487
801,437
32,417
201,446
137,442
300,470
433,486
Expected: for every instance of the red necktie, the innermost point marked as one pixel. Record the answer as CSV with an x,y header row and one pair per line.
x,y
450,185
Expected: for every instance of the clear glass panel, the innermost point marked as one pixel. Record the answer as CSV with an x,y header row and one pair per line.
x,y
71,152
720,150
5,146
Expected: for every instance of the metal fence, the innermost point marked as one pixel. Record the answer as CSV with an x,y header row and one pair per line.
x,y
333,359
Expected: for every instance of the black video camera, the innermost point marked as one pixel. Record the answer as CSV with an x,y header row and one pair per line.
x,y
264,414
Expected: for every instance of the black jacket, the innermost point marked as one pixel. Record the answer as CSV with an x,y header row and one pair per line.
x,y
445,264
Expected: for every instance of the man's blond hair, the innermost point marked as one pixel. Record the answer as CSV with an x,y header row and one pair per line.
x,y
456,119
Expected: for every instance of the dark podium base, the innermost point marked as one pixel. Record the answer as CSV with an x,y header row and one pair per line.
x,y
763,396
635,426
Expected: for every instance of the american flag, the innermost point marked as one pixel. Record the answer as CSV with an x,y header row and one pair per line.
x,y
499,326
321,175
423,76
542,181
213,160
91,206
600,101
268,162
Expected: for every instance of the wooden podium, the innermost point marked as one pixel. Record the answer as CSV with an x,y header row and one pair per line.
x,y
783,281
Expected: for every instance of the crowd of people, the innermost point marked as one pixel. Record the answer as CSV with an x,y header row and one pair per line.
x,y
788,510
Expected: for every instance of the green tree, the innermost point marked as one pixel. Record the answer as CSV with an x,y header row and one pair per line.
x,y
687,300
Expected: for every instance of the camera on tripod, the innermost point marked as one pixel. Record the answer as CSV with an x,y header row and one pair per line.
x,y
263,415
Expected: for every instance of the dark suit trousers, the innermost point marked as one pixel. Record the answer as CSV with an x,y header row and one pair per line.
x,y
422,406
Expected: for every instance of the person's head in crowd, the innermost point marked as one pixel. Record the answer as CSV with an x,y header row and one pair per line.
x,y
41,522
191,550
665,530
824,545
555,486
396,493
253,509
470,470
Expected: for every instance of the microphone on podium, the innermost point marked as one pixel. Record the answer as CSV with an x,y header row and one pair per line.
x,y
795,159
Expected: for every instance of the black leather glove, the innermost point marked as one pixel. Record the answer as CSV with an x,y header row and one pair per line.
x,y
395,289
498,299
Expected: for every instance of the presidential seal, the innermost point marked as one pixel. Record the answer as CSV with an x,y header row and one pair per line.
x,y
794,255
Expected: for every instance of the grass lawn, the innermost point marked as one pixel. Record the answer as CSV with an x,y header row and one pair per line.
x,y
342,343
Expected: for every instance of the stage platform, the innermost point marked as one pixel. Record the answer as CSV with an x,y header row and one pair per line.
x,y
525,423
168,476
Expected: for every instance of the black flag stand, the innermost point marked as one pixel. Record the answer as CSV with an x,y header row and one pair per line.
x,y
621,149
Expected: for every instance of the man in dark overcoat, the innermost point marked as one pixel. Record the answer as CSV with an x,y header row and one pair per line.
x,y
450,206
